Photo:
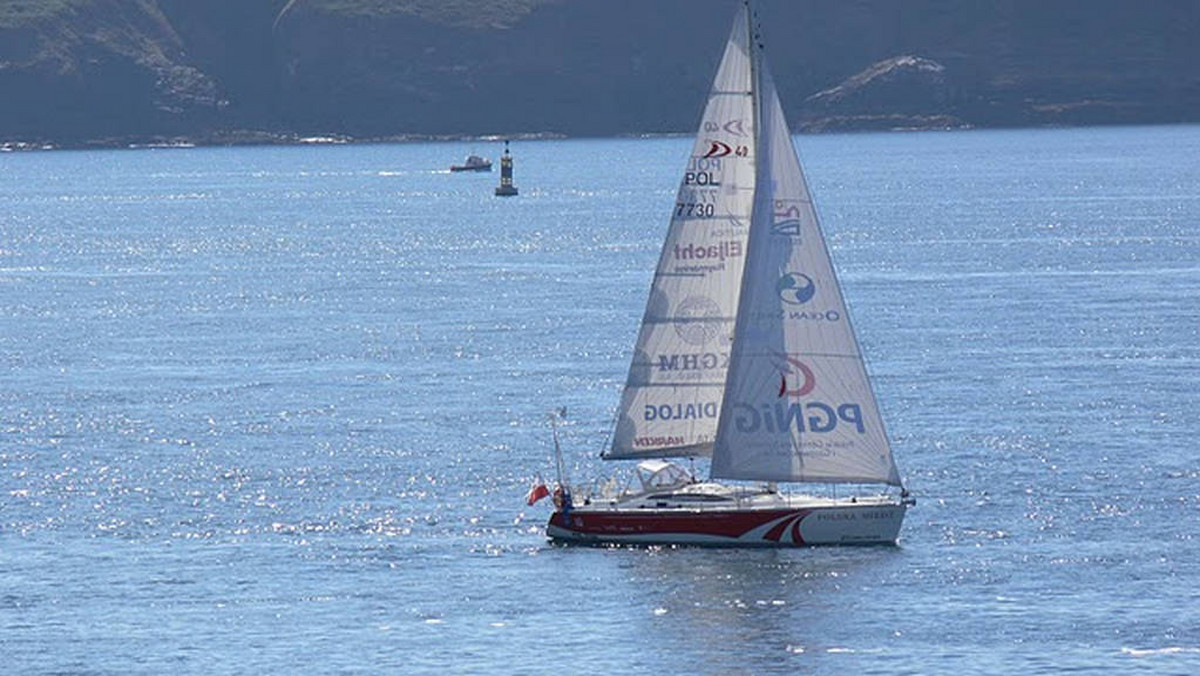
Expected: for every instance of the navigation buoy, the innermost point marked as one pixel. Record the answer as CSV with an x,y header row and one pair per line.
x,y
506,187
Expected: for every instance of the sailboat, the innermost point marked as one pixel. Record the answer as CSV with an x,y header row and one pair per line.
x,y
745,354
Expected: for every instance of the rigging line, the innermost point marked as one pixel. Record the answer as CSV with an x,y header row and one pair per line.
x,y
279,17
612,431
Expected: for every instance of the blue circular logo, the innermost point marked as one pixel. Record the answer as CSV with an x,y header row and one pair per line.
x,y
796,288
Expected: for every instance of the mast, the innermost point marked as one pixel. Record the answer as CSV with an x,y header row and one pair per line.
x,y
755,48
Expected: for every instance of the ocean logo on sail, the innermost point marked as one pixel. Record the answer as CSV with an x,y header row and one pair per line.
x,y
794,367
796,288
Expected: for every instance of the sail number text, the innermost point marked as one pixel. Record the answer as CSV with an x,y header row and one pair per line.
x,y
696,203
694,210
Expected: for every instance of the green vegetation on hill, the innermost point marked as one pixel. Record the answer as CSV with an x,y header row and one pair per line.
x,y
115,71
16,13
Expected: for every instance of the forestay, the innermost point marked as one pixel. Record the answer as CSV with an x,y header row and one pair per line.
x,y
672,397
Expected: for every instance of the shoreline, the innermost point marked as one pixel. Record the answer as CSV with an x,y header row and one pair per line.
x,y
266,138
257,138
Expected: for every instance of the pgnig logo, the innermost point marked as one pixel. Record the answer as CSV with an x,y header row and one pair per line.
x,y
796,288
805,383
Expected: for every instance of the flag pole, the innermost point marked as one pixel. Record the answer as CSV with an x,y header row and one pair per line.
x,y
558,459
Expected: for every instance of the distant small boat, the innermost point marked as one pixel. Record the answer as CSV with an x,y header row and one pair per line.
x,y
473,163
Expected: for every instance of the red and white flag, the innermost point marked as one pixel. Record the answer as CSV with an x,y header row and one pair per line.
x,y
536,492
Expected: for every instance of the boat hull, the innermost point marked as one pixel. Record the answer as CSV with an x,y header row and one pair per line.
x,y
840,524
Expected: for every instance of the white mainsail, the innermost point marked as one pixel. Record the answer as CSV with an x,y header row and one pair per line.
x,y
797,404
672,396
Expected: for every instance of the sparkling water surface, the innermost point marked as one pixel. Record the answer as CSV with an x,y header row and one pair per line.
x,y
275,409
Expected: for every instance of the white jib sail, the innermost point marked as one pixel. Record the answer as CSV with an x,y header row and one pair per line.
x,y
798,404
672,396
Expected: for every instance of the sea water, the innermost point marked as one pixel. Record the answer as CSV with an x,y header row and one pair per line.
x,y
274,410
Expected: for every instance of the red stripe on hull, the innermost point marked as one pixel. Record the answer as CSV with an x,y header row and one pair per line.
x,y
776,532
732,525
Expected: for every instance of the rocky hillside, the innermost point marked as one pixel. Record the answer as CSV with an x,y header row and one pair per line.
x,y
118,71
